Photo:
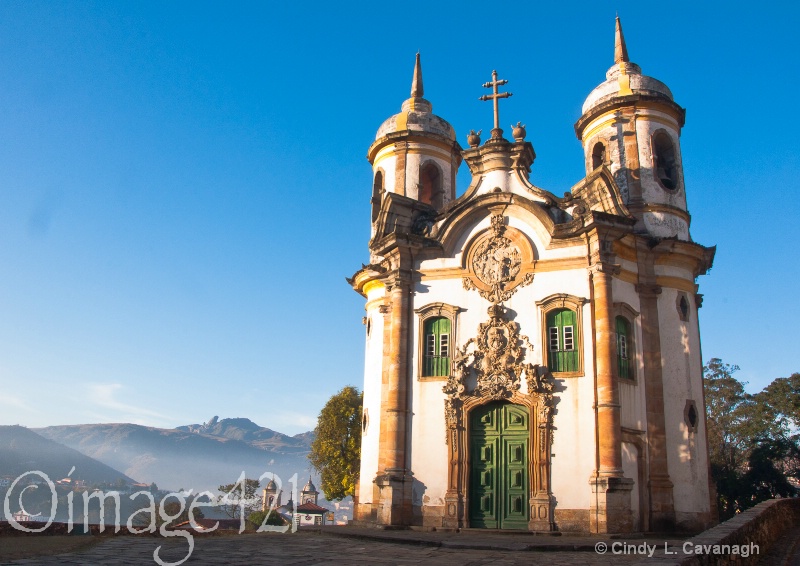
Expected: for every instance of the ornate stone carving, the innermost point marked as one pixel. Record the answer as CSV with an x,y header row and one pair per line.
x,y
496,356
486,368
519,132
496,264
497,260
604,267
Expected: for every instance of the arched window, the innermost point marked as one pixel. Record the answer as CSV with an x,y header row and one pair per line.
x,y
683,307
664,162
430,185
562,341
377,194
436,347
598,155
624,348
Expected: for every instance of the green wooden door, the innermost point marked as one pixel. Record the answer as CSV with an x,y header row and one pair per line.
x,y
499,436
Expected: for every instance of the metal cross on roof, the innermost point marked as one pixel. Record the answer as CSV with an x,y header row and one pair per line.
x,y
495,96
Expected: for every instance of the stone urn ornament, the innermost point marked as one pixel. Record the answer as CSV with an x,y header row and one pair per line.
x,y
473,139
518,131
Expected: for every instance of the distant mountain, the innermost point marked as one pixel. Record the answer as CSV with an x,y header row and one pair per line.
x,y
22,450
195,457
255,435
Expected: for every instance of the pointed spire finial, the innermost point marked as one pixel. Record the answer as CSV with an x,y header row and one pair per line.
x,y
416,83
620,50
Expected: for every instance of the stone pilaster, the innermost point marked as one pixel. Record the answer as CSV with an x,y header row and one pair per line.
x,y
608,407
401,152
610,508
393,482
662,507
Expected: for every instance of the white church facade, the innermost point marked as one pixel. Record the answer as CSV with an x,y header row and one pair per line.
x,y
532,360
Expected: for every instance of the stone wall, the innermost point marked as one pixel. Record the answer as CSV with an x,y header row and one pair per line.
x,y
761,526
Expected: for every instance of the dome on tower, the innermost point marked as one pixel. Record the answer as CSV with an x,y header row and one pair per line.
x,y
416,114
624,78
309,487
271,486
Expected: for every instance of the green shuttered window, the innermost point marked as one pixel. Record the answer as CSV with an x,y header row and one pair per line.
x,y
562,331
623,328
436,347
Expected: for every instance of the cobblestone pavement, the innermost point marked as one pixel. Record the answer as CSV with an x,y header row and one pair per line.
x,y
308,548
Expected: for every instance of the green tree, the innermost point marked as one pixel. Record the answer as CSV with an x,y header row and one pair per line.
x,y
754,448
781,405
769,466
726,415
256,519
336,450
239,497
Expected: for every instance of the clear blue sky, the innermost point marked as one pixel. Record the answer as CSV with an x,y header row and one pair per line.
x,y
183,186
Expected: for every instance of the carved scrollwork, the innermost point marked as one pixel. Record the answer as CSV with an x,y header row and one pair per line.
x,y
490,367
605,267
496,357
539,380
496,265
452,418
498,259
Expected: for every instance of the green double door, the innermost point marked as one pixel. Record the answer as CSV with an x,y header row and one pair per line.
x,y
499,439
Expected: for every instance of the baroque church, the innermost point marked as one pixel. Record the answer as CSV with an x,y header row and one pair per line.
x,y
532,360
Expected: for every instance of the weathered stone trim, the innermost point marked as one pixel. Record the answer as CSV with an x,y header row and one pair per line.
x,y
557,301
423,314
632,315
761,525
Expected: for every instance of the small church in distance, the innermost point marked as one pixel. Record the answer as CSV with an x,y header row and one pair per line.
x,y
532,360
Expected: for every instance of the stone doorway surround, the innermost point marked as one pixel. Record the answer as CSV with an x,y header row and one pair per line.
x,y
495,358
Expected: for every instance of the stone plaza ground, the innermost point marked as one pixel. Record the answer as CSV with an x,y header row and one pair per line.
x,y
347,545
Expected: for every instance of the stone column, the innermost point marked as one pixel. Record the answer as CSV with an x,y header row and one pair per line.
x,y
608,408
662,506
394,479
610,510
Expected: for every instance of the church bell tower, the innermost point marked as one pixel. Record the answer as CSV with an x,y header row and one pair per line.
x,y
632,126
415,154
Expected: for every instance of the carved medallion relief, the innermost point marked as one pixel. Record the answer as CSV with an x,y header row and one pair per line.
x,y
495,264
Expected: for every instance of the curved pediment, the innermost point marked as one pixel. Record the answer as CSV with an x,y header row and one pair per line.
x,y
455,228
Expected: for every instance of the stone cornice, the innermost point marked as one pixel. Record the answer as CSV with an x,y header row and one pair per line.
x,y
414,135
641,100
500,154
